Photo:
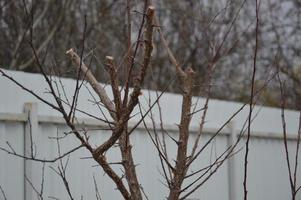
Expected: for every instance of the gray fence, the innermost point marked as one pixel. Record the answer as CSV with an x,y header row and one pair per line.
x,y
24,126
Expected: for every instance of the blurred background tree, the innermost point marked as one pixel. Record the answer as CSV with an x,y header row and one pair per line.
x,y
194,29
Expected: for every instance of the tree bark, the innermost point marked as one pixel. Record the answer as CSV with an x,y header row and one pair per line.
x,y
186,80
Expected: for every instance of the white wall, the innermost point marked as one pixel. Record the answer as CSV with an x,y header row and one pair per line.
x,y
268,177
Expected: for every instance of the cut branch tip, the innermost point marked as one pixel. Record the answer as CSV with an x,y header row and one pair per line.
x,y
109,58
150,11
70,51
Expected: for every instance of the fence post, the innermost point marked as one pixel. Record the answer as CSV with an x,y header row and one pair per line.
x,y
232,163
30,132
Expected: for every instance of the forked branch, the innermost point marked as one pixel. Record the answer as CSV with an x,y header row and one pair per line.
x,y
100,91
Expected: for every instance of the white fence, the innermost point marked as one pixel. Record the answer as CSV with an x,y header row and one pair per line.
x,y
268,175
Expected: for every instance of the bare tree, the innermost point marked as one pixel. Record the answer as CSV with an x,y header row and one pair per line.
x,y
192,28
127,78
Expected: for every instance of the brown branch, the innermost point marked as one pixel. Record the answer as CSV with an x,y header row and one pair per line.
x,y
100,91
171,56
101,160
186,80
129,166
290,174
216,161
218,165
148,48
131,57
77,85
112,70
129,24
41,160
297,155
125,146
120,130
207,169
149,110
251,102
117,131
120,125
61,171
205,108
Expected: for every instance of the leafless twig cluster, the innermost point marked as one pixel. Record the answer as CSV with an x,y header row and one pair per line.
x,y
126,81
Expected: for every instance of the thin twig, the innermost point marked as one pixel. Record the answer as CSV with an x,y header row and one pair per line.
x,y
96,189
3,193
41,160
292,185
251,102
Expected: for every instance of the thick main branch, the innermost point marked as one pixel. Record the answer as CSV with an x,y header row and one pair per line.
x,y
186,80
